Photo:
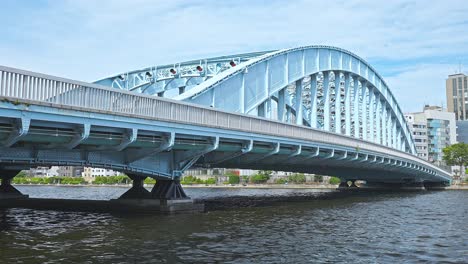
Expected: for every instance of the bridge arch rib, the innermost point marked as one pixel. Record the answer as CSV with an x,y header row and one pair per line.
x,y
319,86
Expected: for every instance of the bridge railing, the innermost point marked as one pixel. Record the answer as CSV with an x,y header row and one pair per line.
x,y
18,84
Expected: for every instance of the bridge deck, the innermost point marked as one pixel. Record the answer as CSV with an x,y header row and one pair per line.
x,y
34,99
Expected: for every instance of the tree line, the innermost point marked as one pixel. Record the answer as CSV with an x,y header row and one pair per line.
x,y
456,155
259,178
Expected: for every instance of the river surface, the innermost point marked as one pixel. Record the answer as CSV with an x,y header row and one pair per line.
x,y
425,227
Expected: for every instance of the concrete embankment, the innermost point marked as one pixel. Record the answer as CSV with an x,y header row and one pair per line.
x,y
143,206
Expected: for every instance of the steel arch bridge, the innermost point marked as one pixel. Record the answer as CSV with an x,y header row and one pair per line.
x,y
313,109
317,86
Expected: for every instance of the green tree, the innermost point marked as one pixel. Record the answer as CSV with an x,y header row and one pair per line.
x,y
150,180
334,180
456,155
261,177
318,178
233,179
281,181
119,179
49,180
244,179
297,178
210,181
266,173
191,180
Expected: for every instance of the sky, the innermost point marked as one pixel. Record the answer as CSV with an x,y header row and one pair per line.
x,y
414,45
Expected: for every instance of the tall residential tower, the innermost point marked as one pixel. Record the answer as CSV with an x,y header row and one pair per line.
x,y
457,102
457,95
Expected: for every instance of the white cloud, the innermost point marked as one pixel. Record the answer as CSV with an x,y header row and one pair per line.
x,y
91,39
419,85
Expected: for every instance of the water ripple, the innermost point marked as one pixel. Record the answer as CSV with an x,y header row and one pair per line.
x,y
385,228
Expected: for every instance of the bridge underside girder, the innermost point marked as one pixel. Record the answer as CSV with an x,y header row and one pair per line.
x,y
162,165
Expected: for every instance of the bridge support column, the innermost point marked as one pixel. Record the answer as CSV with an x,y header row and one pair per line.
x,y
168,190
7,191
137,191
172,198
343,185
167,196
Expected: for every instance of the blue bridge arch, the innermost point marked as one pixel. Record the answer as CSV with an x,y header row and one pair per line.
x,y
268,84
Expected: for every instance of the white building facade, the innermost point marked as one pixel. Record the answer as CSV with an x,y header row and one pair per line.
x,y
44,171
95,172
418,127
433,130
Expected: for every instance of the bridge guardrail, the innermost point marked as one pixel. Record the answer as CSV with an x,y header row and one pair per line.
x,y
15,83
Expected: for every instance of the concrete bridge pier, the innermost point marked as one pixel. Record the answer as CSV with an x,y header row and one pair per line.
x,y
343,185
137,191
353,184
7,191
346,186
168,190
167,196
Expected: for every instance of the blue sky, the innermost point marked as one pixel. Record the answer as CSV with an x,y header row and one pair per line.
x,y
414,45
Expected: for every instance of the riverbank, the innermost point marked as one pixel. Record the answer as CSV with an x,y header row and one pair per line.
x,y
248,186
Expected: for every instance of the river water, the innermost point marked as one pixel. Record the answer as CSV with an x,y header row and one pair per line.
x,y
425,227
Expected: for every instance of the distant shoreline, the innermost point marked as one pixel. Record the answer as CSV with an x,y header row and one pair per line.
x,y
250,186
458,187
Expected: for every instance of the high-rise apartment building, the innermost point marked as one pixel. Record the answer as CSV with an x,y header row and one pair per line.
x,y
457,95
